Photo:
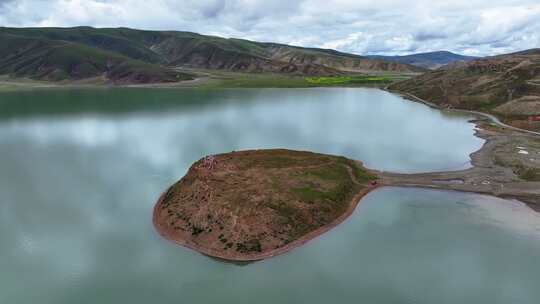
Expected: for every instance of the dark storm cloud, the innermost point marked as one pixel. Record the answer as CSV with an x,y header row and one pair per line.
x,y
426,36
212,11
475,27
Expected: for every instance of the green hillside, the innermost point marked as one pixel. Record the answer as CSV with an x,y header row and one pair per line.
x,y
54,60
126,55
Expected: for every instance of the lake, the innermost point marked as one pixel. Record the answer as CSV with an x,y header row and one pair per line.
x,y
80,170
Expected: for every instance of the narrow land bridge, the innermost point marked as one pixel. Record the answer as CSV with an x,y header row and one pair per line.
x,y
489,174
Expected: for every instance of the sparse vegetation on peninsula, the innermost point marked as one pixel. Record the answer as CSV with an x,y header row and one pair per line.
x,y
254,204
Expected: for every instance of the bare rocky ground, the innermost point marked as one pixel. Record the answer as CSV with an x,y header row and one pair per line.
x,y
507,166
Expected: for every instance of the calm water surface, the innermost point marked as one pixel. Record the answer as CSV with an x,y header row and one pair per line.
x,y
80,171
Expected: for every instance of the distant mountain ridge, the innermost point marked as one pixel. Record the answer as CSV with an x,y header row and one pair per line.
x,y
129,55
430,60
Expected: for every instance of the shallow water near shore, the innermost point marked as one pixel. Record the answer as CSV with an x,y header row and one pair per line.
x,y
81,170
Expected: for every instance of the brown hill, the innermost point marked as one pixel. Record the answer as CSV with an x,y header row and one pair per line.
x,y
505,85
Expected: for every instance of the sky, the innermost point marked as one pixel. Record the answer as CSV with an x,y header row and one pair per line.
x,y
385,27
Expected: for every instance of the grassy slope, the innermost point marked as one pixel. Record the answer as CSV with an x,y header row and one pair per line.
x,y
44,59
127,42
208,52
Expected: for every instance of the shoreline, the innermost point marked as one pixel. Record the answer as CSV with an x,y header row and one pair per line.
x,y
214,79
487,176
484,177
472,180
24,85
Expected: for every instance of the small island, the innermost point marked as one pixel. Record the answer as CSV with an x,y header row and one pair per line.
x,y
252,205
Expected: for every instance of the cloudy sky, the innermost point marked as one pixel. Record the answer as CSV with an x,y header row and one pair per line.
x,y
473,27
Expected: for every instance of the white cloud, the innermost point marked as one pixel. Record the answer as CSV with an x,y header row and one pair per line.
x,y
360,26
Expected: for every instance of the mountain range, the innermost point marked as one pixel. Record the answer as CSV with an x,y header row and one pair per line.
x,y
124,55
431,60
505,85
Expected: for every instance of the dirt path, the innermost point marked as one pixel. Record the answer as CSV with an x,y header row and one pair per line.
x,y
492,118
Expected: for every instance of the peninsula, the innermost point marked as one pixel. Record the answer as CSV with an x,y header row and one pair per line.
x,y
252,205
